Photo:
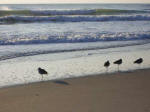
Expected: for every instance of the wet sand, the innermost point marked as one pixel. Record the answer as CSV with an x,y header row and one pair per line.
x,y
117,92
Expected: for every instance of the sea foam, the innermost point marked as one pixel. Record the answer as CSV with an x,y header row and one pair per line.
x,y
72,37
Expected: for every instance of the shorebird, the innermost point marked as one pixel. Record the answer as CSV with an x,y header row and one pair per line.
x,y
107,64
42,72
118,62
138,61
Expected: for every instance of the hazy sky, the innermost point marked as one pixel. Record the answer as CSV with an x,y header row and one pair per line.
x,y
73,1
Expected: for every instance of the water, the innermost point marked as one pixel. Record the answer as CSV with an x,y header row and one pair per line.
x,y
81,37
74,6
70,23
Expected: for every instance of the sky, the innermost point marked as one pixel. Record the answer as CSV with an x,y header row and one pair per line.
x,y
71,1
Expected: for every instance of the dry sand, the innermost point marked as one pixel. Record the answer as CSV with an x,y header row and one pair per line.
x,y
119,92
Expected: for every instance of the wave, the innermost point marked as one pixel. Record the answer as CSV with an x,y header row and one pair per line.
x,y
27,19
4,11
69,48
84,12
70,37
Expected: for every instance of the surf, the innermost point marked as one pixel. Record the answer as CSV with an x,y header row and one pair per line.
x,y
30,19
73,37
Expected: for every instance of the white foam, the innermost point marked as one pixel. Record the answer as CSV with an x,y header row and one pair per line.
x,y
72,37
74,64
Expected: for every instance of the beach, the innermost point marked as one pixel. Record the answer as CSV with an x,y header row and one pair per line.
x,y
71,40
72,43
116,92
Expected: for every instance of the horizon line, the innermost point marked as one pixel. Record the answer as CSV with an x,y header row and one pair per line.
x,y
75,3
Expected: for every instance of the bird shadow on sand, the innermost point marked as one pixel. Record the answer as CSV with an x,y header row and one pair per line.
x,y
125,71
61,82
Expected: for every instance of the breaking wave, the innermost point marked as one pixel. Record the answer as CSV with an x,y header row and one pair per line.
x,y
26,19
71,37
14,16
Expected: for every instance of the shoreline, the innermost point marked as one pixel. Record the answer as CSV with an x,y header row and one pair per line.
x,y
117,92
76,77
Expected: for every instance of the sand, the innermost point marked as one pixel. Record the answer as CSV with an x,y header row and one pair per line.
x,y
117,92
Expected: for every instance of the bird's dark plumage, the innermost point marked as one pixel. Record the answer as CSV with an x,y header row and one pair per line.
x,y
118,62
138,61
107,64
42,71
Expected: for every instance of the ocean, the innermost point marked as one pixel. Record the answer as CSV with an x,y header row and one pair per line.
x,y
70,40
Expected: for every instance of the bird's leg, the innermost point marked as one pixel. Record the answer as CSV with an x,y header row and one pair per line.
x,y
139,66
42,77
118,68
106,69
